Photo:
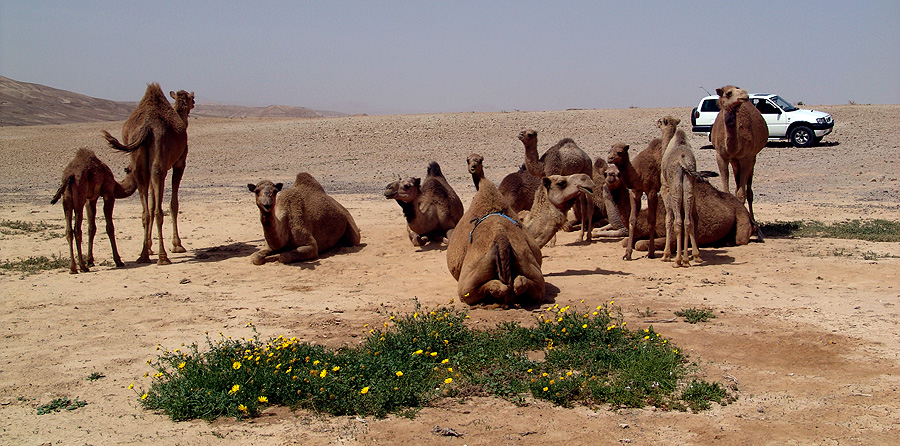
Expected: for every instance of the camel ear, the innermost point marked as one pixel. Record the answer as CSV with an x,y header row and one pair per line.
x,y
172,93
547,182
278,186
417,182
252,187
626,147
719,91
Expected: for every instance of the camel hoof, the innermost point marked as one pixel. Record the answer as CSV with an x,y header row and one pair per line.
x,y
143,260
120,264
178,249
73,271
163,261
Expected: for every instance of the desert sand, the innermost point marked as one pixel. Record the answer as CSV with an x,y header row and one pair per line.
x,y
806,330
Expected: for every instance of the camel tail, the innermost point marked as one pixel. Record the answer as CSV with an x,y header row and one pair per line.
x,y
434,169
62,188
690,169
505,260
136,144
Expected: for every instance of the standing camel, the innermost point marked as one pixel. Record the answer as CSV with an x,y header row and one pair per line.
x,y
738,134
84,180
156,137
679,177
564,158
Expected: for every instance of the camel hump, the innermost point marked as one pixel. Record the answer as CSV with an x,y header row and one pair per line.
x,y
305,179
434,170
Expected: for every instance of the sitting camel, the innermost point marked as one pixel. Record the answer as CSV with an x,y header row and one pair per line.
x,y
615,196
679,175
518,187
722,220
491,256
85,179
739,133
552,202
300,222
431,207
642,176
564,158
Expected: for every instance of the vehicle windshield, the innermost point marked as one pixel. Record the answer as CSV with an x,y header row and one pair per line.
x,y
785,105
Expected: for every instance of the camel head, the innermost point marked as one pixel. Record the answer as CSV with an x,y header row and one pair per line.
x,y
668,121
731,97
528,137
406,190
265,194
613,177
475,162
562,191
618,154
183,100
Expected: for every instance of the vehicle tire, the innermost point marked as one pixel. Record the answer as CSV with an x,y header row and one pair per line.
x,y
802,136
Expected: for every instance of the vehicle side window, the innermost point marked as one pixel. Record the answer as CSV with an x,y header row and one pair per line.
x,y
710,105
765,107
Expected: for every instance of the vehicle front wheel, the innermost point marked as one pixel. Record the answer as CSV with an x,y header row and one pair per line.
x,y
802,136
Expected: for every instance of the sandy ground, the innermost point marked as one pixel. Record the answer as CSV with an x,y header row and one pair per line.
x,y
806,329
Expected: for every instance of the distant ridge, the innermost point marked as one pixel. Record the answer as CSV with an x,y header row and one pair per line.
x,y
23,103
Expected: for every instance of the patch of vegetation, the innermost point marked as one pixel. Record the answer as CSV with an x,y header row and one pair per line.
x,y
34,265
568,357
60,404
875,230
95,376
24,226
695,315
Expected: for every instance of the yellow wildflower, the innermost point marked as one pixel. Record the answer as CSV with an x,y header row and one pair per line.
x,y
263,399
418,352
235,388
242,408
448,380
584,326
399,373
364,390
236,365
445,361
130,386
433,353
144,396
181,366
335,368
324,372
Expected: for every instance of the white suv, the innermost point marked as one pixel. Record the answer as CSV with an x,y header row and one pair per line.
x,y
802,128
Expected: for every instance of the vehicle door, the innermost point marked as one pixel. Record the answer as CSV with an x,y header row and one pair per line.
x,y
775,118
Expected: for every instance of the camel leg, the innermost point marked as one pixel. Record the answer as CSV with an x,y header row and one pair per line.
x,y
740,184
157,183
670,221
177,173
92,229
675,204
690,222
759,235
652,204
529,285
632,222
587,215
108,204
723,171
79,216
301,253
478,278
260,257
146,222
70,233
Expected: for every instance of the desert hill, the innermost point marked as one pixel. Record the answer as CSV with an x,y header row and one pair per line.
x,y
23,103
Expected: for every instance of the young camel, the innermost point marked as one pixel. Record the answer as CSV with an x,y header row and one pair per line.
x,y
552,202
431,207
85,179
679,174
518,187
300,222
155,134
642,176
564,158
615,196
739,133
491,256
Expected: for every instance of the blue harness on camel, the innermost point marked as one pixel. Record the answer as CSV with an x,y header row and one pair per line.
x,y
478,221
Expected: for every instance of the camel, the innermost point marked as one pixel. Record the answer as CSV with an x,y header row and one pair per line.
x,y
519,188
679,175
431,207
564,158
155,134
722,220
552,201
739,133
300,222
491,256
642,176
615,200
84,180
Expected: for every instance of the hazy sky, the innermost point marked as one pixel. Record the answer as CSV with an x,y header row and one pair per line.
x,y
457,56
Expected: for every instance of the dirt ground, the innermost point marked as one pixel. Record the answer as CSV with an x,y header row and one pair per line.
x,y
806,329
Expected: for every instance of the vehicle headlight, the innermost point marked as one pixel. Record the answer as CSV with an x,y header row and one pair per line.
x,y
820,120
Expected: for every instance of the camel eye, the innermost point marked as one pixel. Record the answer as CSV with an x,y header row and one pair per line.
x,y
562,184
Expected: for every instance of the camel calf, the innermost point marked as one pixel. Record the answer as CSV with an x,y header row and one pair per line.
x,y
491,256
300,222
552,202
431,207
84,180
